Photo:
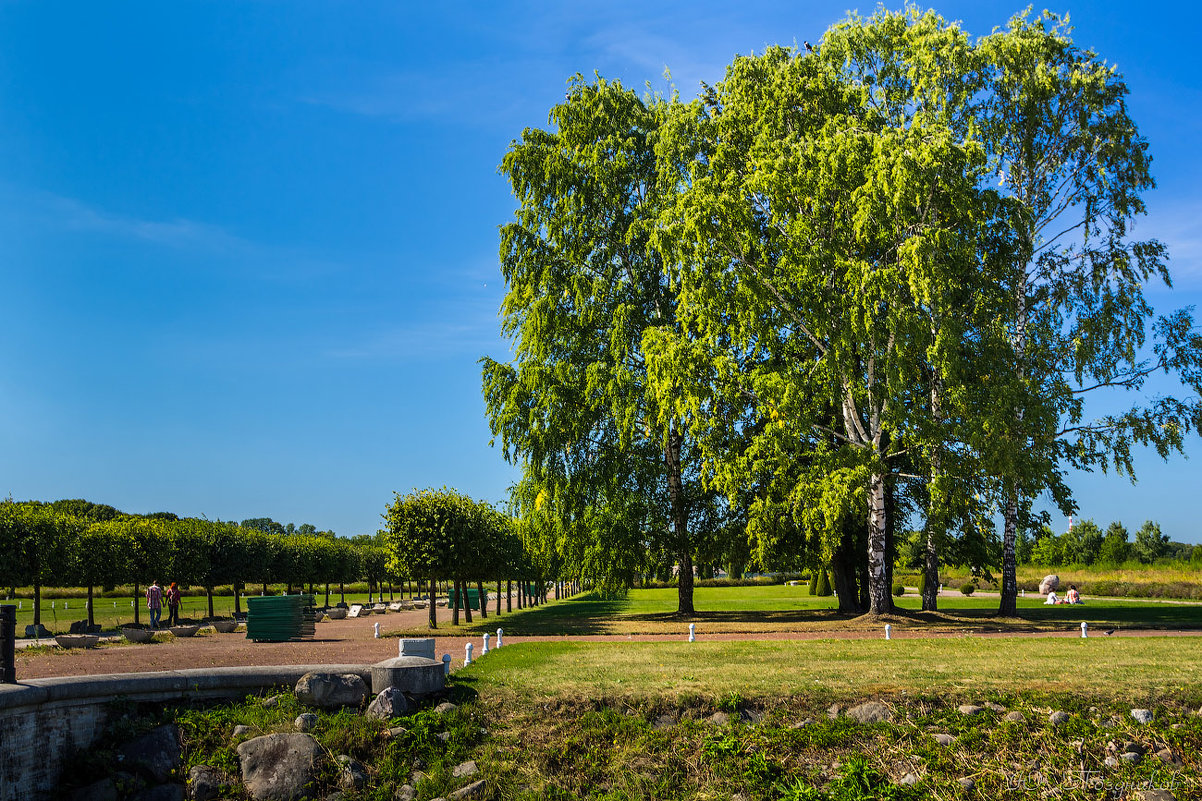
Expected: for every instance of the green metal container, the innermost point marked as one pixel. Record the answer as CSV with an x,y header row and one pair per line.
x,y
279,618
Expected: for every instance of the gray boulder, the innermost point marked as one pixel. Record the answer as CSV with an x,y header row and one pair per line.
x,y
445,707
971,709
405,792
473,790
870,712
944,739
1142,715
155,754
1015,717
465,769
280,767
306,721
1050,583
353,775
330,690
206,783
391,703
1058,718
240,730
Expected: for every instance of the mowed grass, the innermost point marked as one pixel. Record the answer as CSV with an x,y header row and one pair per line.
x,y
59,614
1139,671
780,608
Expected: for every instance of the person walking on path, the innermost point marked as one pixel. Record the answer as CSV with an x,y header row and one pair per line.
x,y
173,597
154,602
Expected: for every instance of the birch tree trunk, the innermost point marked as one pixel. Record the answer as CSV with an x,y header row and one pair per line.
x,y
880,599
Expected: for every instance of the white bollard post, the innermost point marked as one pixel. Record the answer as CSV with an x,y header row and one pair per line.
x,y
66,604
499,633
1022,593
1084,630
377,625
446,664
484,650
692,632
467,654
20,605
888,632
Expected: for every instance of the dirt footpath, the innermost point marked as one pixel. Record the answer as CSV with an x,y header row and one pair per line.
x,y
353,642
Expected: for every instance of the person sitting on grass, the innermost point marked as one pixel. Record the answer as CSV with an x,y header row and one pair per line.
x,y
1074,597
1052,599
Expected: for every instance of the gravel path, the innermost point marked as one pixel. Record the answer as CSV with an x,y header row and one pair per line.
x,y
353,642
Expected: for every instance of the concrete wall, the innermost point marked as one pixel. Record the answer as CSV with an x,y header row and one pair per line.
x,y
44,722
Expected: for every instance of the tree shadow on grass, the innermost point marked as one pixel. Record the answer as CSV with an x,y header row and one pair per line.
x,y
757,617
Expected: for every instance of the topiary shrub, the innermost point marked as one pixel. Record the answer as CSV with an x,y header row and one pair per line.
x,y
899,590
814,583
824,584
968,588
922,583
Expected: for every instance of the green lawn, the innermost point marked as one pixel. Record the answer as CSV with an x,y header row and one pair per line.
x,y
783,608
57,615
1141,671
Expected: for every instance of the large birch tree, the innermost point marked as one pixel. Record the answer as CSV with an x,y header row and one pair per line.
x,y
1073,167
584,283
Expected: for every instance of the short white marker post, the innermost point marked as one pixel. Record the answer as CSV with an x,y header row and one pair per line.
x,y
20,605
1084,630
1022,593
888,632
467,654
66,604
692,632
499,633
446,664
484,650
377,625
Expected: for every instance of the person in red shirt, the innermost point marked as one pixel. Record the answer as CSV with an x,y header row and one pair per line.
x,y
173,597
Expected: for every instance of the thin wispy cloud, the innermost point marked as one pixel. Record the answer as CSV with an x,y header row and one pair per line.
x,y
38,209
435,339
472,94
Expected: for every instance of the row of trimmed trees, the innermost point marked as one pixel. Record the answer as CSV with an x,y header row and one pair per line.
x,y
443,534
46,547
847,287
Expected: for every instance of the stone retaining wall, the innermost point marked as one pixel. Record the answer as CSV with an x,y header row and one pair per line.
x,y
44,722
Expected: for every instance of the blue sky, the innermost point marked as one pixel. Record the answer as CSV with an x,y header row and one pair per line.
x,y
248,251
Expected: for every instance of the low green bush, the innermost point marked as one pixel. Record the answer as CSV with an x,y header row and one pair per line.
x,y
899,590
968,588
824,584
